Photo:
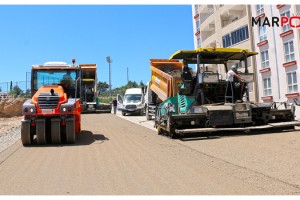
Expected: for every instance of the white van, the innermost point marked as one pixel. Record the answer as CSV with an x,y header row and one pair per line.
x,y
133,101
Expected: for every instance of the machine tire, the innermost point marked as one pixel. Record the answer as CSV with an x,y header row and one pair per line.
x,y
123,113
70,131
26,136
41,131
160,131
55,131
171,133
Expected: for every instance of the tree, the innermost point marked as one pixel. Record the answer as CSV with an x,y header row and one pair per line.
x,y
141,84
0,89
102,87
133,84
16,90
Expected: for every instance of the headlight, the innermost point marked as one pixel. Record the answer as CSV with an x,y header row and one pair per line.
x,y
67,109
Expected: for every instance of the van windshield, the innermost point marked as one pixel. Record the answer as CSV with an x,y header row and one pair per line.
x,y
132,98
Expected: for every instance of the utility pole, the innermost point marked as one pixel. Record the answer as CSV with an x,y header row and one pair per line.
x,y
109,61
127,76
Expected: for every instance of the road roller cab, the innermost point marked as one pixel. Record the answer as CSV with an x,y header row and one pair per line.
x,y
53,114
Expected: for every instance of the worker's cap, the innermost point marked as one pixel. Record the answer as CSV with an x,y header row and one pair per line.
x,y
233,67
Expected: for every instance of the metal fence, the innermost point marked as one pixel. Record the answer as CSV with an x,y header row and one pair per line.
x,y
15,89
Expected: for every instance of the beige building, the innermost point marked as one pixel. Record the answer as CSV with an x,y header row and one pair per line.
x,y
225,26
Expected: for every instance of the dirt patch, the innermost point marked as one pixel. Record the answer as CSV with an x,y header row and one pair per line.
x,y
7,125
11,107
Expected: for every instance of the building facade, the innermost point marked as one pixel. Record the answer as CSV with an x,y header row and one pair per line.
x,y
225,26
278,62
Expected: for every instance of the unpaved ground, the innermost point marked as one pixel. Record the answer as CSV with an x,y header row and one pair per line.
x,y
10,131
9,124
10,121
115,156
11,107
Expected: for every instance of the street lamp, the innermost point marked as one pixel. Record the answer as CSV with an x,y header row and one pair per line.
x,y
109,61
26,84
127,76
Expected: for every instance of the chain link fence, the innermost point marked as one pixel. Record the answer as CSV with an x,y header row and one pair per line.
x,y
15,89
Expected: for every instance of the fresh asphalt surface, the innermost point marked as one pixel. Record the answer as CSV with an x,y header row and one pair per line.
x,y
124,156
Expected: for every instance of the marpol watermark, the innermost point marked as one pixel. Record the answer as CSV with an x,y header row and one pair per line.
x,y
293,21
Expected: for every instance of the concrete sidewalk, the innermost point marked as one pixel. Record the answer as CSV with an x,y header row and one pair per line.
x,y
140,120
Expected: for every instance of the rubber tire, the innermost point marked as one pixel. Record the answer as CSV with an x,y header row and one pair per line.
x,y
141,113
160,131
70,131
41,131
123,113
26,136
55,131
171,133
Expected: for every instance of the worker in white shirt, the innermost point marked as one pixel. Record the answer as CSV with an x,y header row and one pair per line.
x,y
231,89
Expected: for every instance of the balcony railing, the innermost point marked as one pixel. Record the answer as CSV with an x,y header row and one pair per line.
x,y
207,12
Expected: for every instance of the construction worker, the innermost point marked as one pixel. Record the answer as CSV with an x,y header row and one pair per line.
x,y
68,84
115,104
231,87
67,76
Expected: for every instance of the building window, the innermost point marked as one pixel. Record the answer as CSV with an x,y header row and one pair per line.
x,y
235,36
259,9
226,40
196,8
198,25
264,55
198,42
262,33
267,87
289,51
286,27
292,82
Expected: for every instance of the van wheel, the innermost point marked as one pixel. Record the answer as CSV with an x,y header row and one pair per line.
x,y
142,113
123,113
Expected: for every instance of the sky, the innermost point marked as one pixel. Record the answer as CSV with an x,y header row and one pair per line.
x,y
129,34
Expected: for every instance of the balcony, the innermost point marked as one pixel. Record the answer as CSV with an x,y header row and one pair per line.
x,y
207,30
210,39
206,8
232,13
205,12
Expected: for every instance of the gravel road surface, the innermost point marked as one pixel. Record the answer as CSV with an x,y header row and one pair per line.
x,y
116,156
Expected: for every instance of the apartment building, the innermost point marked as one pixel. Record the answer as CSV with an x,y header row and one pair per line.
x,y
225,26
278,62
